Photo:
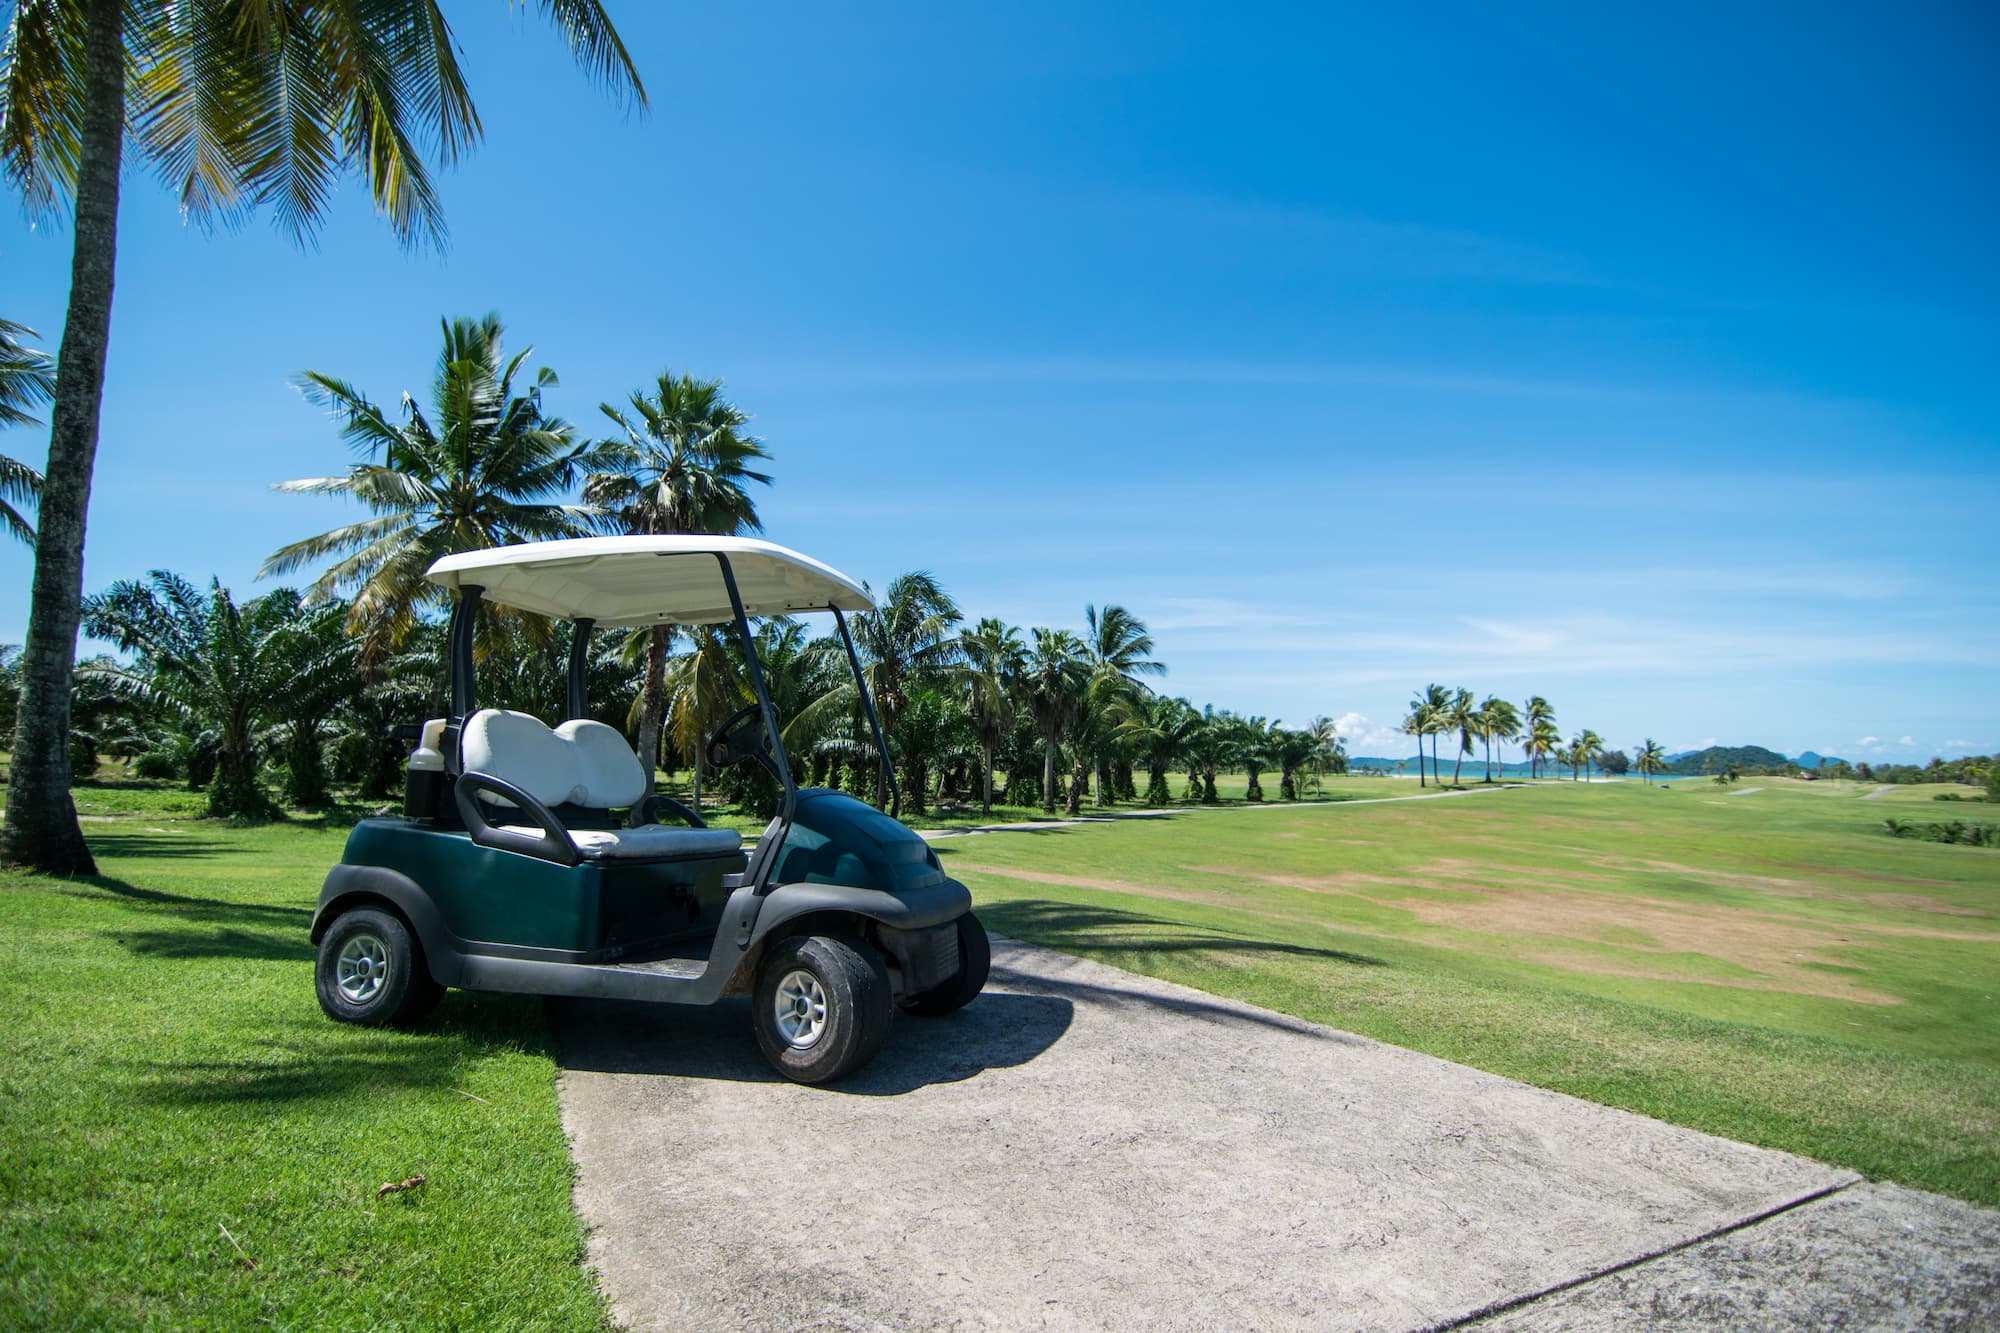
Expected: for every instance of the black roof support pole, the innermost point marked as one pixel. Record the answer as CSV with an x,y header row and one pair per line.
x,y
578,703
789,806
874,723
458,646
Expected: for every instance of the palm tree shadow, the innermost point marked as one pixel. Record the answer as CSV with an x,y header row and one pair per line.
x,y
997,1031
1080,927
156,846
190,908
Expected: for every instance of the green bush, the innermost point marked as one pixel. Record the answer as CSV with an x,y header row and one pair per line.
x,y
156,764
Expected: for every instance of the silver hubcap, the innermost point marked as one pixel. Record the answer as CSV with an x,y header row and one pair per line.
x,y
800,1008
363,969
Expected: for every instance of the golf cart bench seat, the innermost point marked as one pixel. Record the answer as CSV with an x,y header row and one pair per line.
x,y
583,766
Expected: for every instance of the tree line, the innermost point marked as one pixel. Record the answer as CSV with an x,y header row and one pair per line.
x,y
1437,712
301,688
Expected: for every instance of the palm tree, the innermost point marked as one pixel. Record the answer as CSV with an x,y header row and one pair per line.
x,y
1460,716
988,683
1429,712
320,664
1497,722
1120,653
1212,745
1053,682
1539,721
1585,749
907,642
1542,742
1329,751
213,95
681,468
487,471
1157,728
228,667
702,685
1417,723
1251,744
1651,759
27,380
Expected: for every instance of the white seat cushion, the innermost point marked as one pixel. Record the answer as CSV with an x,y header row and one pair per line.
x,y
612,775
519,748
648,842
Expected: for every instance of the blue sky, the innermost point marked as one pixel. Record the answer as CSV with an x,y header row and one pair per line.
x,y
1644,362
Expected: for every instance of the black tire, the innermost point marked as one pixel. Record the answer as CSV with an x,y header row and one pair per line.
x,y
387,983
975,961
837,1033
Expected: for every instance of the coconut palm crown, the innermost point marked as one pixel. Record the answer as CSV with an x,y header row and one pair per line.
x,y
485,466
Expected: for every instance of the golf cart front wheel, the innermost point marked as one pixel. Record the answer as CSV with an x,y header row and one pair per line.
x,y
822,1006
975,960
372,972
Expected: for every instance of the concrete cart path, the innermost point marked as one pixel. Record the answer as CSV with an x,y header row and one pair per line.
x,y
1083,1148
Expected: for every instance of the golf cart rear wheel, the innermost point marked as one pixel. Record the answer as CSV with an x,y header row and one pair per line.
x,y
822,1006
372,972
975,960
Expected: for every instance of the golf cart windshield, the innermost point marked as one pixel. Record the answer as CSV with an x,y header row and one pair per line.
x,y
614,582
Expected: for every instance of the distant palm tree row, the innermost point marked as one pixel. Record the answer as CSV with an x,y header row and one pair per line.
x,y
1436,711
218,688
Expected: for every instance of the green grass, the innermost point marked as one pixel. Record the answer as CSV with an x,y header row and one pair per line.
x,y
165,1072
1767,966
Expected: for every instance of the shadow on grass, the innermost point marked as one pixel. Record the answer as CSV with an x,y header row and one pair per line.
x,y
256,946
996,1031
318,1059
1078,927
160,846
193,908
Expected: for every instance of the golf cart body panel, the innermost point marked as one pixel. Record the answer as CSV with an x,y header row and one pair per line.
x,y
530,859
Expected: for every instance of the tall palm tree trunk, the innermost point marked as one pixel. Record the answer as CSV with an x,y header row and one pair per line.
x,y
41,829
986,772
1048,775
653,706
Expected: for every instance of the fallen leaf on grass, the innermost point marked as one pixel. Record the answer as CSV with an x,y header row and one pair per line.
x,y
398,1186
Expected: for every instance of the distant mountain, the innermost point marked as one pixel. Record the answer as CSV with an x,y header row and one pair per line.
x,y
1812,760
1720,758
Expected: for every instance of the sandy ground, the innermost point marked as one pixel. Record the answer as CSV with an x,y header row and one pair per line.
x,y
1087,1149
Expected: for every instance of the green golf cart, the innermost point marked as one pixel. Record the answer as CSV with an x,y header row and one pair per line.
x,y
531,859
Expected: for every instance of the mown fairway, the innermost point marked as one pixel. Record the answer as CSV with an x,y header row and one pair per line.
x,y
165,1073
1766,964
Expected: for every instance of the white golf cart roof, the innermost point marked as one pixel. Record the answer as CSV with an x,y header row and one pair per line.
x,y
650,580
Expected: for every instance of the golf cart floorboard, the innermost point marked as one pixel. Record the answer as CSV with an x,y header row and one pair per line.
x,y
684,968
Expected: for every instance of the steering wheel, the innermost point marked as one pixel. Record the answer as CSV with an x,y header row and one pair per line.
x,y
741,736
648,811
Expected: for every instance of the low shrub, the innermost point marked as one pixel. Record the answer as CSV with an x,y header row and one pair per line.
x,y
1952,831
157,764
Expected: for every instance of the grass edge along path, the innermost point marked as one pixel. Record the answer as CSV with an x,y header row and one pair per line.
x,y
185,1141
